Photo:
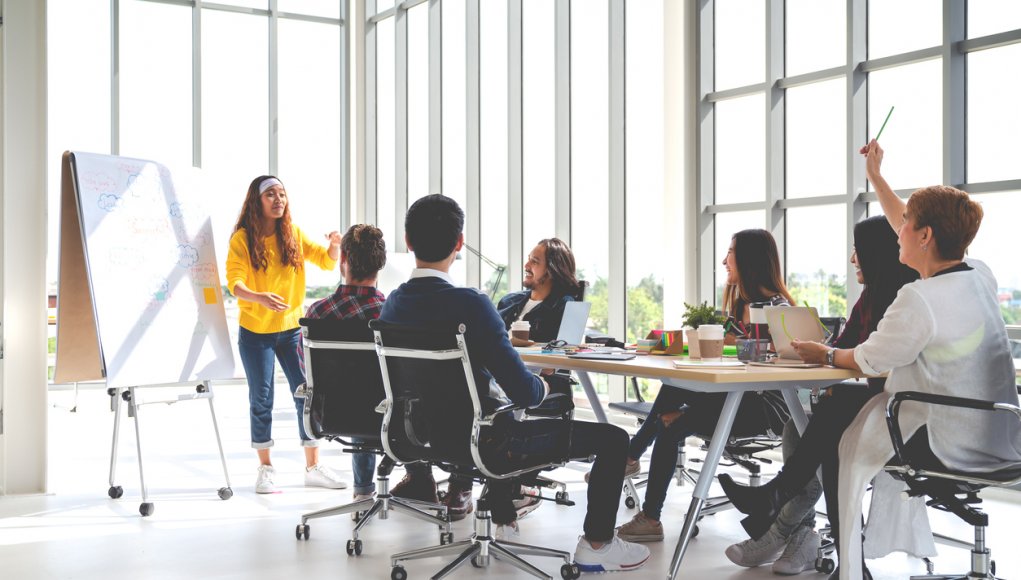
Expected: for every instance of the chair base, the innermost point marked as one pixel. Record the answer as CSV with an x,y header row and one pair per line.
x,y
380,507
479,548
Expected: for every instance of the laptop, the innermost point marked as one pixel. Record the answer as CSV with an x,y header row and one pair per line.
x,y
787,323
572,325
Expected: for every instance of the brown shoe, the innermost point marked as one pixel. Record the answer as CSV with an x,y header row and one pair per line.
x,y
641,529
416,487
458,501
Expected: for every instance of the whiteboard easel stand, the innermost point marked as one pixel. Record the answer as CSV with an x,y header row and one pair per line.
x,y
202,391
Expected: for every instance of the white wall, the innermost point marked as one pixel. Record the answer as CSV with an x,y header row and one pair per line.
x,y
23,199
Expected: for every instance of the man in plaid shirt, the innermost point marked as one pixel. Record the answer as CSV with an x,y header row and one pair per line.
x,y
362,256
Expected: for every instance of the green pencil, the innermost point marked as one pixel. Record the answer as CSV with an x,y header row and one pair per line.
x,y
884,123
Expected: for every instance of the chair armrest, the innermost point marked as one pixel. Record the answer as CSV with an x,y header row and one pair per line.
x,y
893,412
488,420
554,405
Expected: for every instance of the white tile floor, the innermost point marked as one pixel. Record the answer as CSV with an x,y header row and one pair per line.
x,y
77,532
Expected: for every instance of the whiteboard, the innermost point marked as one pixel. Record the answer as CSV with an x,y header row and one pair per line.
x,y
151,273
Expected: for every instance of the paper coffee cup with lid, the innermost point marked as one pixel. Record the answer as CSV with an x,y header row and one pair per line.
x,y
520,329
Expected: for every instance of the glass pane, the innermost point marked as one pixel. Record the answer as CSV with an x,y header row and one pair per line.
x,y
816,35
78,90
455,131
816,133
913,138
999,231
539,122
994,119
386,144
155,82
324,8
653,220
258,4
741,149
740,45
418,103
992,16
235,131
817,255
382,5
493,145
590,148
309,130
726,225
889,32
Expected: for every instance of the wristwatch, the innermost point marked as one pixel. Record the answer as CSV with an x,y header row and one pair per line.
x,y
829,357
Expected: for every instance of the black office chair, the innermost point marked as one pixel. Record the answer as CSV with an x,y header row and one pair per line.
x,y
949,490
434,413
342,391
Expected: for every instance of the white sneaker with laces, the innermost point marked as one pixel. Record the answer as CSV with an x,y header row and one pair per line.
x,y
321,476
751,553
802,548
616,555
264,481
529,501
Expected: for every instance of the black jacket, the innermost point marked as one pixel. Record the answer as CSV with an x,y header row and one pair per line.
x,y
544,318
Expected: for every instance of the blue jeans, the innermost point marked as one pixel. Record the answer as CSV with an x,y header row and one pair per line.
x,y
257,354
364,467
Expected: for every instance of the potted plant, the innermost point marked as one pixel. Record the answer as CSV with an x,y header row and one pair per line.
x,y
695,316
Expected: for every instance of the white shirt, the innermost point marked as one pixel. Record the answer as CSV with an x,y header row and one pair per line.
x,y
528,308
945,335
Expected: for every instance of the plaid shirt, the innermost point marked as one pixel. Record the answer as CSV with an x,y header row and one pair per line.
x,y
363,302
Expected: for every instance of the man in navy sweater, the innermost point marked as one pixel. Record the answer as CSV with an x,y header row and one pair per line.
x,y
433,229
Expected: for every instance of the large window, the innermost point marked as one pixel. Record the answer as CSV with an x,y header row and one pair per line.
x,y
784,114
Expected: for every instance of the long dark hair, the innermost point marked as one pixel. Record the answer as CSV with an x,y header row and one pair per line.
x,y
875,242
251,220
560,266
758,270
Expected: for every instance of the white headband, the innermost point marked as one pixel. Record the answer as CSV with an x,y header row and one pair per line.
x,y
268,184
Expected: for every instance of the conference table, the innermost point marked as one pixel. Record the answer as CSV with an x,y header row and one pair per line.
x,y
734,382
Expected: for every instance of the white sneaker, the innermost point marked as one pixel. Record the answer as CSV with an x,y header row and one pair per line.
x,y
802,548
529,501
507,531
321,476
615,556
751,553
264,481
359,497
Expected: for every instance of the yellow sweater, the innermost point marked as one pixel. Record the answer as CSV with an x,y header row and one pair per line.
x,y
287,281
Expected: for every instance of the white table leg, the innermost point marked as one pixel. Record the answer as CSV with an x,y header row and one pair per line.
x,y
593,398
790,396
705,478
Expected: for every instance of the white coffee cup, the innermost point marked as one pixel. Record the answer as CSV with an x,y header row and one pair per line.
x,y
520,329
710,341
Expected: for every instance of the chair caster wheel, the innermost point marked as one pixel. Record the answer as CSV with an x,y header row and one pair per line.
x,y
301,532
479,562
570,572
146,509
398,573
115,491
354,548
630,502
562,496
225,493
825,565
446,538
694,532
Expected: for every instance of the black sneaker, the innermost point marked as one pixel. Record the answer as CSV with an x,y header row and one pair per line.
x,y
416,487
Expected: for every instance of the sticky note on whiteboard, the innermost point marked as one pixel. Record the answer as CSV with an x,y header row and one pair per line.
x,y
210,295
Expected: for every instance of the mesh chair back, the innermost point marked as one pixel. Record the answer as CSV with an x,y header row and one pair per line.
x,y
344,384
428,376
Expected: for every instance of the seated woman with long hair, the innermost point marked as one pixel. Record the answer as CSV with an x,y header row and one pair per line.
x,y
790,541
753,276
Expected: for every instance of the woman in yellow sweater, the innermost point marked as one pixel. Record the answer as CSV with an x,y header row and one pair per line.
x,y
265,271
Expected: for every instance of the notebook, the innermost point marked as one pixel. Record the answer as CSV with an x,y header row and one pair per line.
x,y
787,323
572,325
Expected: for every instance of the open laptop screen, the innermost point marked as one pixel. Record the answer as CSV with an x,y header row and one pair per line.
x,y
572,325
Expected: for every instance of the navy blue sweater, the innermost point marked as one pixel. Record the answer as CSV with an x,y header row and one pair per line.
x,y
432,301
